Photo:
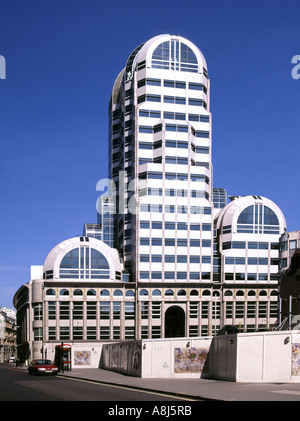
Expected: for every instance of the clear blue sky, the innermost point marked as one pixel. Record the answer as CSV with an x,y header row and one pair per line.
x,y
62,58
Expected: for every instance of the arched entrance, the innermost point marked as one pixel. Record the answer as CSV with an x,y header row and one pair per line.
x,y
174,322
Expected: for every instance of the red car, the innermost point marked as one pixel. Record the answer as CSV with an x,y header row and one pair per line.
x,y
42,367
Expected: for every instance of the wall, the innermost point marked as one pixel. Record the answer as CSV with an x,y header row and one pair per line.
x,y
182,358
256,357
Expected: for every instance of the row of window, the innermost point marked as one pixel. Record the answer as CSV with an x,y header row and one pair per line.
x,y
155,175
250,245
153,191
153,332
196,210
229,276
179,144
173,128
172,160
157,275
171,258
172,100
181,226
179,242
108,310
172,84
251,261
174,115
91,292
291,245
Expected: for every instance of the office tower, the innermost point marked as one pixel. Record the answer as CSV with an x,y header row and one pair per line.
x,y
160,162
168,256
248,231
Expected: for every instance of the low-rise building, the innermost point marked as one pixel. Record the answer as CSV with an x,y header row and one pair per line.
x,y
8,330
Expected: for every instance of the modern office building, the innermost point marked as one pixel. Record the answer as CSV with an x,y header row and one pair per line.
x,y
247,242
8,329
173,259
289,277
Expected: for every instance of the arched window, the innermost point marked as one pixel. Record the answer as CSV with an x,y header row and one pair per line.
x,y
270,217
181,292
169,292
206,292
64,292
77,292
71,259
50,292
246,217
258,219
251,293
91,292
129,294
104,293
228,293
274,293
263,293
83,263
194,292
174,55
118,293
240,293
156,293
143,292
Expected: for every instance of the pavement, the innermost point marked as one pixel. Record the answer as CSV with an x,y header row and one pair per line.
x,y
193,388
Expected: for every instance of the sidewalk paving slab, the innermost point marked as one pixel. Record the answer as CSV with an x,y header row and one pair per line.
x,y
193,388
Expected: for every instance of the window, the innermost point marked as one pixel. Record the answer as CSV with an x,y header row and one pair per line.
x,y
77,292
52,333
104,310
169,292
251,310
64,310
91,333
116,310
38,311
84,262
77,310
174,55
174,84
51,310
129,310
38,333
239,309
156,310
229,310
64,333
91,310
104,333
77,333
129,332
258,219
144,309
50,292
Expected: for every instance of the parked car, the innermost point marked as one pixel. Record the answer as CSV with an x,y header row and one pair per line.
x,y
42,367
12,360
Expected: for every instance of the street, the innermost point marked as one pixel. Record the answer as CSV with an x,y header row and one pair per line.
x,y
17,385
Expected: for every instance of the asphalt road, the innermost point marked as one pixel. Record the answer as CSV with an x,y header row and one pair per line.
x,y
18,385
